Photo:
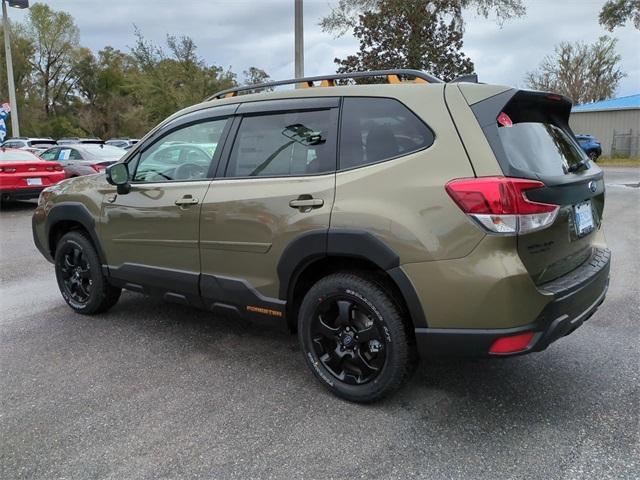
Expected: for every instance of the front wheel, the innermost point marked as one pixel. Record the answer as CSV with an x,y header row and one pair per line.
x,y
79,276
593,155
354,338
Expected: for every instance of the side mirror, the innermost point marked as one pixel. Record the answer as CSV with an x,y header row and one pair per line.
x,y
118,175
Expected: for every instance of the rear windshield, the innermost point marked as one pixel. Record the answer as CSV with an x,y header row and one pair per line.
x,y
539,147
16,156
106,151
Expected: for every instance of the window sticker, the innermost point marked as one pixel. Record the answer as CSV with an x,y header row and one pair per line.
x,y
64,154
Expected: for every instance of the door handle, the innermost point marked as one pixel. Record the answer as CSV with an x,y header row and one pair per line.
x,y
186,200
306,202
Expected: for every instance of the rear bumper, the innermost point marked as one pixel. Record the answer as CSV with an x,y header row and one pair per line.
x,y
576,296
21,193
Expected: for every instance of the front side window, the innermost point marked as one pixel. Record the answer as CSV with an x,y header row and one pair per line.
x,y
377,129
184,154
284,144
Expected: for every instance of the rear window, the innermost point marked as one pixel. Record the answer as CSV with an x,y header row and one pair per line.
x,y
106,151
540,147
16,156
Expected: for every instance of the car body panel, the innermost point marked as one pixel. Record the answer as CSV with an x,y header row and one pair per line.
x,y
249,222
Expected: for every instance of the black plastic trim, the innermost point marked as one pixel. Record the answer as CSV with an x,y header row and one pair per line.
x,y
171,284
410,297
361,244
75,212
299,253
288,104
226,294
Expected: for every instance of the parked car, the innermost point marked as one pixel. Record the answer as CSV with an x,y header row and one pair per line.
x,y
34,145
590,145
84,159
73,140
382,222
125,143
24,175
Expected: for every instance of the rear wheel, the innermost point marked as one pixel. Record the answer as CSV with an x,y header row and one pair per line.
x,y
354,338
593,155
79,276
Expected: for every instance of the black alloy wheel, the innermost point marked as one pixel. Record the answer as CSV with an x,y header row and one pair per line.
x,y
355,337
79,274
348,342
76,273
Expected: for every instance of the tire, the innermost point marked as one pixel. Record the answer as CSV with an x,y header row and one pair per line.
x,y
374,352
593,156
80,278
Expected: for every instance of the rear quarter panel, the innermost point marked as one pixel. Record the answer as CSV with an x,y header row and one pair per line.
x,y
403,201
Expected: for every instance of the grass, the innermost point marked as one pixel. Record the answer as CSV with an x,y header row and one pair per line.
x,y
619,161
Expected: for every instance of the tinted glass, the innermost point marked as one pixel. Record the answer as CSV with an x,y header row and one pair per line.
x,y
185,154
51,154
74,154
104,151
292,143
13,144
540,147
376,129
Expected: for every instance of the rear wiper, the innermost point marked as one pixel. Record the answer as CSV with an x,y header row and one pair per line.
x,y
581,165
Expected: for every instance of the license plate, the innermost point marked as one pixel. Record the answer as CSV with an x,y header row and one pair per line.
x,y
34,181
584,218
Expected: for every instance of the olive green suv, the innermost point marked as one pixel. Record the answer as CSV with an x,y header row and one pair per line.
x,y
384,219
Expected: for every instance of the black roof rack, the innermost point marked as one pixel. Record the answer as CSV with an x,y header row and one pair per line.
x,y
393,76
471,78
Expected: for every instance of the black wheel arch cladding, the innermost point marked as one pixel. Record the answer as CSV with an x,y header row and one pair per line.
x,y
358,244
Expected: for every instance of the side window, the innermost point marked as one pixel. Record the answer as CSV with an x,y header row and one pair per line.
x,y
184,154
283,144
377,129
51,154
74,154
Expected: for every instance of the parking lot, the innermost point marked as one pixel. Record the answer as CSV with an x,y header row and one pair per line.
x,y
155,390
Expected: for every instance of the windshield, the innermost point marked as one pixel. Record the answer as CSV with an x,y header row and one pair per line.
x,y
540,147
106,151
16,156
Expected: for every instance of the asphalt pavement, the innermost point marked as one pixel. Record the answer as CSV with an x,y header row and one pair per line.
x,y
152,390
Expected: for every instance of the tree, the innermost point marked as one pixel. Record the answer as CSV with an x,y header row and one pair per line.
x,y
102,84
56,39
406,34
615,13
344,16
254,76
21,52
583,72
167,82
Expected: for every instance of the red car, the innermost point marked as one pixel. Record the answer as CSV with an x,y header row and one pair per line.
x,y
24,175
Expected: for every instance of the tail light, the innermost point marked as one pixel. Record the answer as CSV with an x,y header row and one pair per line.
x,y
7,170
500,205
54,168
98,167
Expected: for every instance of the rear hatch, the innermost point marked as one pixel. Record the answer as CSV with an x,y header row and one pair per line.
x,y
531,139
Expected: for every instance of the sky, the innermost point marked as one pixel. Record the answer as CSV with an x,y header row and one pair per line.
x,y
244,33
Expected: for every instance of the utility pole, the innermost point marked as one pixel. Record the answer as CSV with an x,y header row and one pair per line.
x,y
15,125
299,40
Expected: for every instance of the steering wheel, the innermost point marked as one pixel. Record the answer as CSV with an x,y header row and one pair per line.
x,y
189,171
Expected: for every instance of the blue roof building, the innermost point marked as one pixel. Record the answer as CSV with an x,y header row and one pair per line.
x,y
615,123
620,103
